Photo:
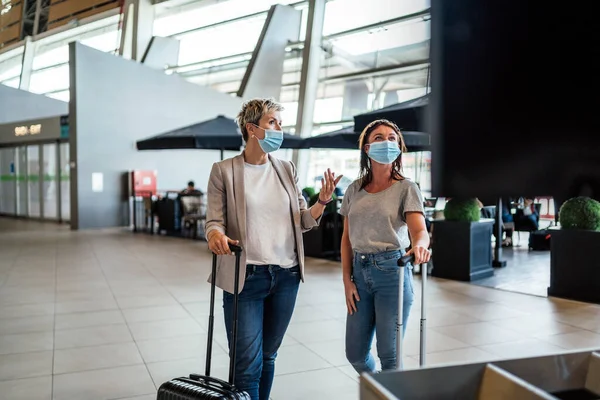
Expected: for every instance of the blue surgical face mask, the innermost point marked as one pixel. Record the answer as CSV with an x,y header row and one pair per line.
x,y
272,141
385,152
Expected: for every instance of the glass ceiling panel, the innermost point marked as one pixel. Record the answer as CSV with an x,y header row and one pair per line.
x,y
384,38
12,72
50,58
106,42
63,95
50,80
212,14
342,15
221,41
13,83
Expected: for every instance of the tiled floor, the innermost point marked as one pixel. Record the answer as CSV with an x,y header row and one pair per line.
x,y
112,315
526,271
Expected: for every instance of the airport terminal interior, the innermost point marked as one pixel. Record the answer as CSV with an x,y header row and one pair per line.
x,y
113,111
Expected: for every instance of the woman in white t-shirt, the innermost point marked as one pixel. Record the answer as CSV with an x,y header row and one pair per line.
x,y
254,201
381,209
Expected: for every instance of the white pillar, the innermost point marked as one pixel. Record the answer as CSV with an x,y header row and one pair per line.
x,y
309,80
27,63
138,24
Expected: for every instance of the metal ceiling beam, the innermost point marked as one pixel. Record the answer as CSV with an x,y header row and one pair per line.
x,y
363,73
380,71
297,46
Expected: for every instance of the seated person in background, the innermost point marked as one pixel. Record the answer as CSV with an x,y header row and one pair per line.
x,y
530,215
191,190
191,204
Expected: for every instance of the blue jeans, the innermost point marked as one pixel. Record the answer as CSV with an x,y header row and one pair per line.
x,y
265,308
377,279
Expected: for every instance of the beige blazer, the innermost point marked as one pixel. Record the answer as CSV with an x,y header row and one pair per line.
x,y
226,212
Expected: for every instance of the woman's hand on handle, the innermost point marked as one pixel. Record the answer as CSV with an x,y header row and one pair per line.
x,y
422,255
351,296
218,243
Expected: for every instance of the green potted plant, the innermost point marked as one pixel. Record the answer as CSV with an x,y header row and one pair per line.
x,y
574,265
462,243
308,192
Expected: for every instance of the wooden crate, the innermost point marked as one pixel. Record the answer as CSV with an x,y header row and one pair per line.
x,y
10,24
64,11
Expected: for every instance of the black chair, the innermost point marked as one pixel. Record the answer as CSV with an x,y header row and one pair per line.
x,y
522,224
193,213
488,212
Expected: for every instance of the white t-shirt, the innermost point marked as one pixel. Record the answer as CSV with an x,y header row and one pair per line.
x,y
269,232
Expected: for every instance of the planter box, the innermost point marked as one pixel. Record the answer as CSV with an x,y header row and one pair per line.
x,y
462,250
575,265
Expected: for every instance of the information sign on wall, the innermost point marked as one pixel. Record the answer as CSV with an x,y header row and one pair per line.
x,y
33,130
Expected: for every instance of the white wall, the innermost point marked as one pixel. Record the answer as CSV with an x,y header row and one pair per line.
x,y
20,105
114,103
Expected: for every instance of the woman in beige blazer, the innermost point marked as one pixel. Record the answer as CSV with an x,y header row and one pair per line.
x,y
254,201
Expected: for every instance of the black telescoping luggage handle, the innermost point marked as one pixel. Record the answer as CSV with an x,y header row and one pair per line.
x,y
405,260
237,251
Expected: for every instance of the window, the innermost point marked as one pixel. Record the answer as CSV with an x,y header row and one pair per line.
x,y
212,14
220,41
63,95
14,83
106,42
390,37
342,15
288,115
328,110
50,58
11,72
49,80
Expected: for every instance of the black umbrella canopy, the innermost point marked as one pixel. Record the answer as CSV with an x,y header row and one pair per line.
x,y
344,138
409,115
220,133
347,138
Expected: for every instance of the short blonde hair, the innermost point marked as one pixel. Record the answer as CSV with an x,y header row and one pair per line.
x,y
253,110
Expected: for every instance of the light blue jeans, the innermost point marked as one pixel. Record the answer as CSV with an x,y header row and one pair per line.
x,y
377,279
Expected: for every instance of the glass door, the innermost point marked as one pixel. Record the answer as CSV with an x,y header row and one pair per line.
x,y
65,182
33,181
50,185
8,201
21,182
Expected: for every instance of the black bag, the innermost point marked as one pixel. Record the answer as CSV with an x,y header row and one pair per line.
x,y
539,240
196,386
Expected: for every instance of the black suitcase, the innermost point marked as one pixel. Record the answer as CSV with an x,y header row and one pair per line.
x,y
196,387
539,240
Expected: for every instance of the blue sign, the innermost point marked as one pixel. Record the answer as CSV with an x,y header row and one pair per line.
x,y
12,167
64,131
